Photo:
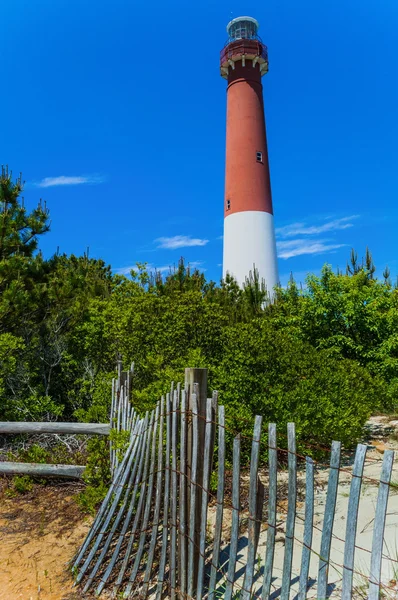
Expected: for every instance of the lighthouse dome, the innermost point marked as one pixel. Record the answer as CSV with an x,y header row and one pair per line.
x,y
242,28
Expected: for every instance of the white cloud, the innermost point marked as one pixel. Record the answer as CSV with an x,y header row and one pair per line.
x,y
69,180
179,241
303,229
290,248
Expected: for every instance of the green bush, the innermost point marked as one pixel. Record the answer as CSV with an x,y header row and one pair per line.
x,y
268,372
97,474
20,484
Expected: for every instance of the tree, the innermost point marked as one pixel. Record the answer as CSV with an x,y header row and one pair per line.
x,y
19,230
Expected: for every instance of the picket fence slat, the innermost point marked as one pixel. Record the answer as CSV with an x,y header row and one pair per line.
x,y
183,499
291,511
139,507
156,516
192,515
220,502
126,492
308,528
272,499
173,498
111,417
251,550
129,515
352,519
328,520
205,497
233,545
379,525
104,507
163,556
108,515
148,505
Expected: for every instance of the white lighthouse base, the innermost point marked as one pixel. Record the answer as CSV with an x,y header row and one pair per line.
x,y
249,239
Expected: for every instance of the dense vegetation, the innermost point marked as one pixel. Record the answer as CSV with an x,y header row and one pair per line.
x,y
325,356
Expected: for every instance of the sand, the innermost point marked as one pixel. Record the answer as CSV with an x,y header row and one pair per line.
x,y
39,534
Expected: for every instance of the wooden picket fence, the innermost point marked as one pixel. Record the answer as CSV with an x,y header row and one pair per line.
x,y
151,535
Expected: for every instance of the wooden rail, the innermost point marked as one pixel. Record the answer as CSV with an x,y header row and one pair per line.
x,y
41,470
7,427
122,418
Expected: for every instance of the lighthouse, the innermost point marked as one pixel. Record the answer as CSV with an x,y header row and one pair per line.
x,y
249,233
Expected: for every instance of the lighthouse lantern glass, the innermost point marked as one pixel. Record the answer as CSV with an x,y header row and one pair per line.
x,y
242,30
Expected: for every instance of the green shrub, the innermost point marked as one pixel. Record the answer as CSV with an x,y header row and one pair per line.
x,y
97,475
271,373
21,484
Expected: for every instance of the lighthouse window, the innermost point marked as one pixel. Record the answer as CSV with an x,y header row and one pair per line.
x,y
228,204
259,157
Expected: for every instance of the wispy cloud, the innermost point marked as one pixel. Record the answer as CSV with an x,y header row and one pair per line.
x,y
290,248
304,229
307,243
69,180
179,241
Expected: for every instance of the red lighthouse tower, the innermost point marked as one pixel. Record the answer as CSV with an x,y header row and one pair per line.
x,y
249,233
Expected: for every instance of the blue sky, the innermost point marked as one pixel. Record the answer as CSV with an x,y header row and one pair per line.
x,y
115,114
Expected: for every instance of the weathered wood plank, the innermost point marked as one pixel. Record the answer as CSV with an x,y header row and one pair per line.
x,y
196,383
140,461
192,550
205,495
156,515
165,533
173,499
271,533
7,427
328,520
251,551
105,505
41,470
182,542
308,528
137,516
117,520
233,545
352,519
291,512
220,502
142,482
111,424
147,510
114,503
379,526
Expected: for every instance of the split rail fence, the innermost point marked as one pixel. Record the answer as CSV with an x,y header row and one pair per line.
x,y
121,418
151,536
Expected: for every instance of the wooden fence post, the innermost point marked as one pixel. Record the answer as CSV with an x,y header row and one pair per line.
x,y
196,382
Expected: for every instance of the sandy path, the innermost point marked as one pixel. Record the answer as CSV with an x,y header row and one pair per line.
x,y
39,534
